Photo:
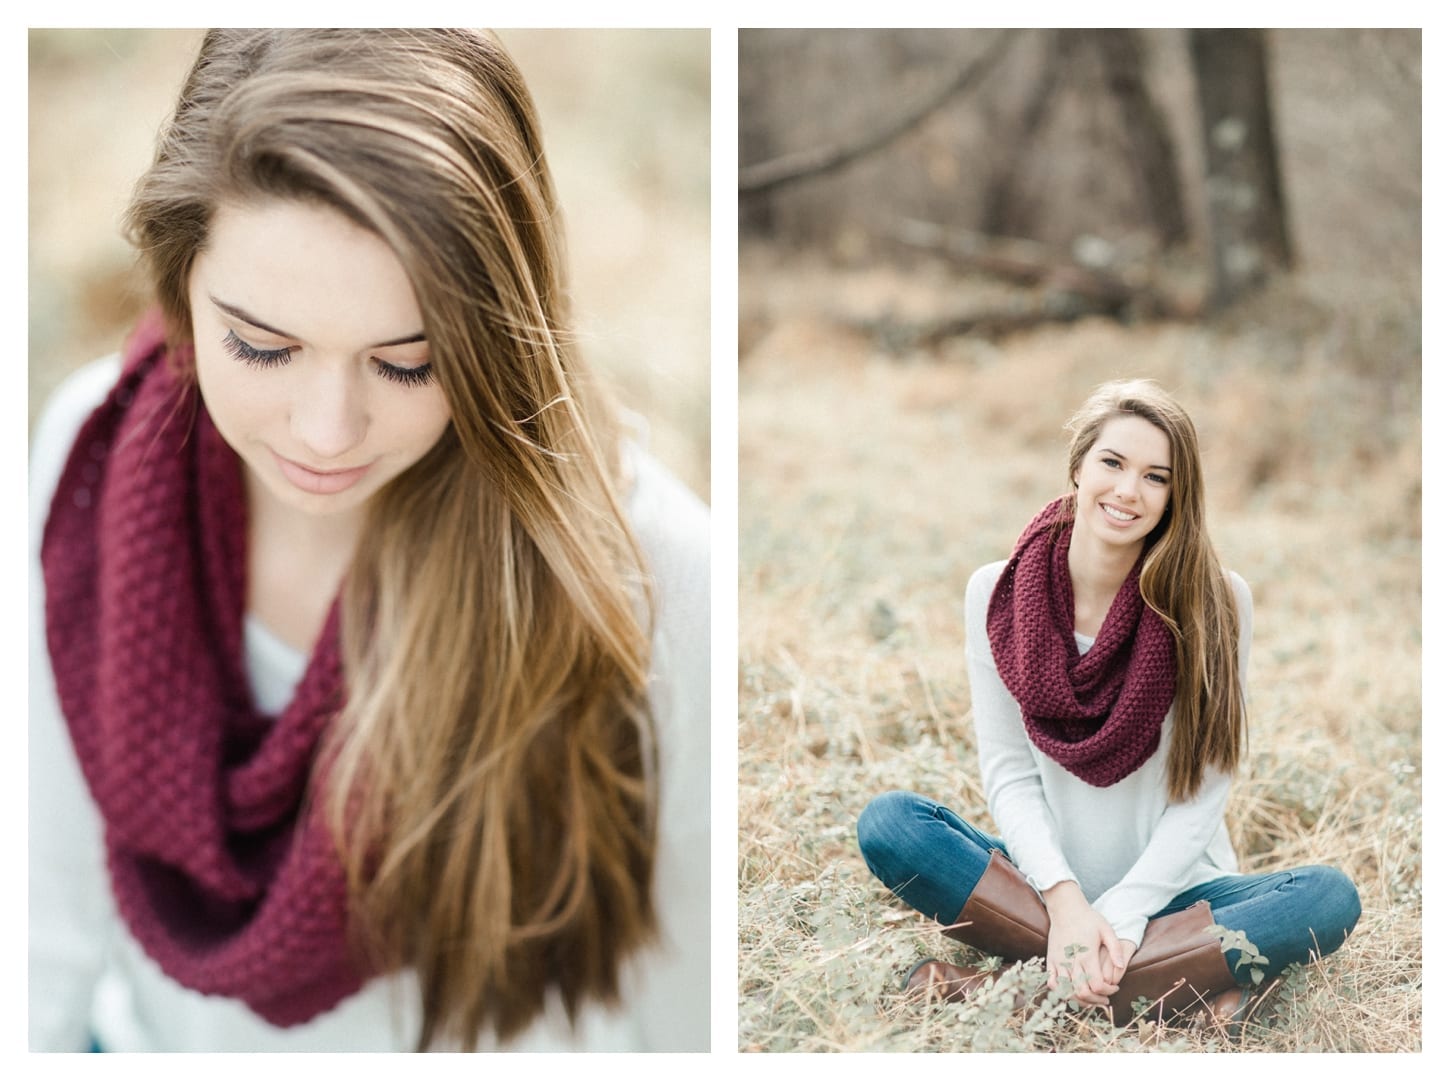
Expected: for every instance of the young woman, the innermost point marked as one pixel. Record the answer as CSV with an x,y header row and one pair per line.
x,y
1108,659
369,658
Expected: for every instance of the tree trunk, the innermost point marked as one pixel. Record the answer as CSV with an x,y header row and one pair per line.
x,y
1155,165
1002,213
1246,212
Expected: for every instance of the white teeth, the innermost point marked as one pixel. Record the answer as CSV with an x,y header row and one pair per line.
x,y
1117,514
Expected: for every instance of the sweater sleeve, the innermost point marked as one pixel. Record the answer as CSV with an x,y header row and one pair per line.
x,y
672,999
71,915
1184,831
1010,775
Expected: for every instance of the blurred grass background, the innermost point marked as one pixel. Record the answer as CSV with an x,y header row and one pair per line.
x,y
626,126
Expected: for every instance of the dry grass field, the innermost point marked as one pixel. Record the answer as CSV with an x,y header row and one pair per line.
x,y
872,484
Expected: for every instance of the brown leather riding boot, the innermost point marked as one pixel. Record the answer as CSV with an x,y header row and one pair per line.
x,y
1004,916
1179,968
945,982
1233,1012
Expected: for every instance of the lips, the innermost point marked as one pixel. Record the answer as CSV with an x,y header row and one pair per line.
x,y
319,481
1118,515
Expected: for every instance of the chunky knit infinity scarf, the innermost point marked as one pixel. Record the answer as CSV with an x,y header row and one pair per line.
x,y
224,879
1098,714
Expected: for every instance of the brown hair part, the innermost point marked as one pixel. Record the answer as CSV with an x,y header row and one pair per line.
x,y
491,783
1183,581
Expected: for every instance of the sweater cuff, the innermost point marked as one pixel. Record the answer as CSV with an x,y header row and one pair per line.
x,y
1129,928
1042,875
1128,920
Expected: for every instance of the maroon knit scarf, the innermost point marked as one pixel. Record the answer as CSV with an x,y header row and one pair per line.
x,y
1098,714
223,878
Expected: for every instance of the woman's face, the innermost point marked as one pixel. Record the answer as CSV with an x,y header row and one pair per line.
x,y
1123,482
310,354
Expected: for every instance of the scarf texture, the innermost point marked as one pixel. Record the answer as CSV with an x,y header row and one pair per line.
x,y
1097,714
224,876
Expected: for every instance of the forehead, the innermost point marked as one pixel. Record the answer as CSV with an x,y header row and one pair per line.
x,y
307,269
1136,438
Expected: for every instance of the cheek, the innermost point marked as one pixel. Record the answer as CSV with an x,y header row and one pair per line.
x,y
238,404
218,389
422,424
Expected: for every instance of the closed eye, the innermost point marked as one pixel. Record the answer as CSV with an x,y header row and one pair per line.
x,y
271,358
252,356
408,377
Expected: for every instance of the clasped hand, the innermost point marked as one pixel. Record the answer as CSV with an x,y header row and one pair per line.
x,y
1082,948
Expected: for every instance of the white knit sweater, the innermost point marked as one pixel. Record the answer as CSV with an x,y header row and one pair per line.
x,y
88,976
1129,849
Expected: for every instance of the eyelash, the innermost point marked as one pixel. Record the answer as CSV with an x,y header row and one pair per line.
x,y
407,377
253,357
1114,463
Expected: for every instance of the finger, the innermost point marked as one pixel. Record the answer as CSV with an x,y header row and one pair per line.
x,y
1061,970
1103,985
1129,950
1086,984
1111,972
1109,949
1117,973
1116,953
1100,982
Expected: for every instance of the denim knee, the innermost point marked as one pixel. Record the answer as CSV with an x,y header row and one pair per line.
x,y
879,830
922,852
1310,916
1336,905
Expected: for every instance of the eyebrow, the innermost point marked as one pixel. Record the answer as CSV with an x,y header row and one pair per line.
x,y
1120,454
247,317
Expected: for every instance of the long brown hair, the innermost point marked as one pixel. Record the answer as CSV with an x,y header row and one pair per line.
x,y
1183,581
491,781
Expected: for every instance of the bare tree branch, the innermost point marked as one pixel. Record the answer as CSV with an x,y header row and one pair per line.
x,y
800,165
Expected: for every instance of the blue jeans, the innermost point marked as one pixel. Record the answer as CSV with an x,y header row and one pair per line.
x,y
932,860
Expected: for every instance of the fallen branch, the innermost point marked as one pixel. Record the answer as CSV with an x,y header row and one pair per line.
x,y
1025,262
899,336
1052,290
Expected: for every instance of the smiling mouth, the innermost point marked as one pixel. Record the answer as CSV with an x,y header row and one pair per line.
x,y
319,481
1118,515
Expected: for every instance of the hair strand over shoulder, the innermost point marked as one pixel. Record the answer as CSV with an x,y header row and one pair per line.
x,y
490,780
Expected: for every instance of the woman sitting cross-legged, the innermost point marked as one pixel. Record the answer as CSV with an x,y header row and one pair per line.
x,y
1107,659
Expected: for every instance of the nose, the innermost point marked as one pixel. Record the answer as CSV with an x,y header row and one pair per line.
x,y
329,413
1127,487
